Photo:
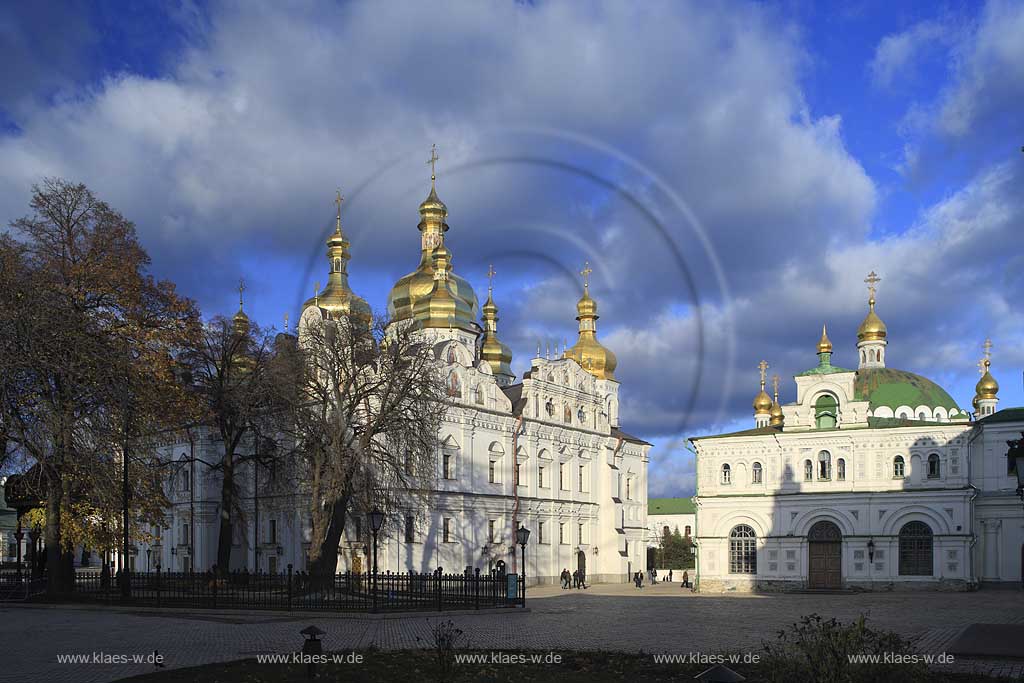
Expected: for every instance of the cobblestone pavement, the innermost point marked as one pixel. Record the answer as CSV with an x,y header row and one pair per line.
x,y
661,618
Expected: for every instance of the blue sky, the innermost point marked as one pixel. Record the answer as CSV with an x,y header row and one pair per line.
x,y
731,170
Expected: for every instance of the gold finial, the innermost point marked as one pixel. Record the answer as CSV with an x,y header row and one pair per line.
x,y
490,278
775,387
286,322
824,344
433,160
241,289
872,281
763,365
586,275
338,199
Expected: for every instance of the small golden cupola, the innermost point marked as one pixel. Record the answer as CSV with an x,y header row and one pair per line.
x,y
410,289
762,402
240,321
588,351
775,416
337,300
987,389
497,355
871,335
441,307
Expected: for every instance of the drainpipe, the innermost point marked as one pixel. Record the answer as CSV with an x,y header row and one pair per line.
x,y
515,484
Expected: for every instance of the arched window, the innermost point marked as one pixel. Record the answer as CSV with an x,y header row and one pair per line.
x,y
337,265
581,416
934,469
665,531
826,411
550,408
915,549
726,474
863,357
922,415
686,531
898,467
742,550
756,473
824,465
808,470
871,355
840,470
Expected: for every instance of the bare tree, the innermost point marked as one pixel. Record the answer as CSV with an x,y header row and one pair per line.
x,y
229,367
365,403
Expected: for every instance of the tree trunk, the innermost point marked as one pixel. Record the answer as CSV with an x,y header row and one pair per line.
x,y
227,504
326,563
54,580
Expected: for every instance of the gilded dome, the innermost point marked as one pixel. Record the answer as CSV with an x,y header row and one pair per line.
x,y
987,387
762,402
825,344
240,321
588,351
406,294
872,329
497,354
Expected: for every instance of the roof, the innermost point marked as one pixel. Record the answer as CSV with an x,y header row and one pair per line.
x,y
671,506
823,370
514,392
873,423
895,388
758,431
618,433
1004,415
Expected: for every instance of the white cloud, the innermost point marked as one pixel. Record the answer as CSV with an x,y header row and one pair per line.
x,y
897,54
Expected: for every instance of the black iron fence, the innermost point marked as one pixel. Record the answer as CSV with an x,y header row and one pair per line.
x,y
383,592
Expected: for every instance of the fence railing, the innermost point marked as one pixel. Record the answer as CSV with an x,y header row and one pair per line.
x,y
385,592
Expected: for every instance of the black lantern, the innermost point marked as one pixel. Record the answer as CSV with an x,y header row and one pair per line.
x,y
1015,461
522,537
376,522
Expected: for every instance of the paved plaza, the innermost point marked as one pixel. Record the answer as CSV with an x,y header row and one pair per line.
x,y
662,618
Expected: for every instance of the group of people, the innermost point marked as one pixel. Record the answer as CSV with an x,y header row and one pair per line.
x,y
575,580
652,577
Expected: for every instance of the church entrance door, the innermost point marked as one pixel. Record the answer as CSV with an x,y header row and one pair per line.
x,y
581,562
357,564
825,556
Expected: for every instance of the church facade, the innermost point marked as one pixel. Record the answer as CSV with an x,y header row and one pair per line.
x,y
546,452
871,479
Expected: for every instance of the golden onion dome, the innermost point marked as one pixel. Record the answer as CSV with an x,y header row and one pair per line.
x,y
588,351
777,418
987,387
337,299
406,294
497,354
762,402
240,322
442,307
825,344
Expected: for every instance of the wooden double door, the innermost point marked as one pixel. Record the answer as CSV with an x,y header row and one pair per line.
x,y
825,556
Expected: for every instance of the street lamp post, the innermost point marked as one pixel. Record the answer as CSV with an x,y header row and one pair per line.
x,y
522,536
376,521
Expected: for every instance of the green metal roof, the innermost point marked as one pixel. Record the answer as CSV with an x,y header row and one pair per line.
x,y
671,506
895,388
1004,415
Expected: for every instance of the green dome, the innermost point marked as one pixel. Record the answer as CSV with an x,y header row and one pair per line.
x,y
896,388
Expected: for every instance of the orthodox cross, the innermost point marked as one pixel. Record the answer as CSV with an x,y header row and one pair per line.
x,y
241,288
775,386
586,275
433,160
763,365
988,349
872,280
490,278
338,199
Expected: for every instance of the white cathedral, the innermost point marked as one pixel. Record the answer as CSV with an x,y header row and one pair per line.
x,y
871,479
546,452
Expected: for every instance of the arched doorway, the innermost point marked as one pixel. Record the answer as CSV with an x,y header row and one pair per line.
x,y
581,563
824,556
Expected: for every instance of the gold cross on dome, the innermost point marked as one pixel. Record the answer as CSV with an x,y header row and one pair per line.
x,y
490,277
988,348
872,281
241,288
586,275
763,365
338,199
433,160
775,385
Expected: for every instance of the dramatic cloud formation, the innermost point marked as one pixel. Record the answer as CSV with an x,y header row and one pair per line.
x,y
672,145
